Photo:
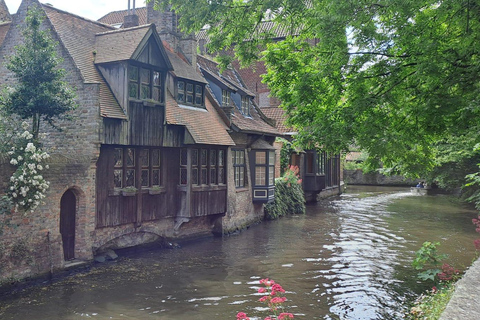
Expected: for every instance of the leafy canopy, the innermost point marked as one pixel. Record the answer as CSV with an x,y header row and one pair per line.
x,y
395,77
40,93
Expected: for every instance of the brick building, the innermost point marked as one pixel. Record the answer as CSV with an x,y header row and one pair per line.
x,y
157,148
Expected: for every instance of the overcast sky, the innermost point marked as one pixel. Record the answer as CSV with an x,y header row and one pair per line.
x,y
91,9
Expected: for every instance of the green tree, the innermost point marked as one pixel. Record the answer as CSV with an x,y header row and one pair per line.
x,y
41,92
398,78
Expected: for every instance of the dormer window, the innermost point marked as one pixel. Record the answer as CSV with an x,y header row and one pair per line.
x,y
225,98
190,93
145,83
245,105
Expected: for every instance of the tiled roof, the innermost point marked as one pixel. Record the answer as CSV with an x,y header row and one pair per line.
x,y
4,27
254,123
117,17
183,69
77,35
204,125
277,114
276,31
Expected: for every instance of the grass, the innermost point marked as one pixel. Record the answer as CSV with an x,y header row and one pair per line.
x,y
429,306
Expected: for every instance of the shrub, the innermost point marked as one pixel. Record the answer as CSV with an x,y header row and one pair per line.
x,y
289,197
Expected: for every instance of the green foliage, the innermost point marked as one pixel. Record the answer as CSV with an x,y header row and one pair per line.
x,y
289,197
430,306
395,78
41,93
285,154
429,260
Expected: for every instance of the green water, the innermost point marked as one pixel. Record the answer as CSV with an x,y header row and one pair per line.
x,y
347,258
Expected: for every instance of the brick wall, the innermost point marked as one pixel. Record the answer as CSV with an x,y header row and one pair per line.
x,y
32,244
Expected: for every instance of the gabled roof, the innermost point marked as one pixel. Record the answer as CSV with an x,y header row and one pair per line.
x,y
278,114
181,68
77,35
255,123
204,125
126,44
117,17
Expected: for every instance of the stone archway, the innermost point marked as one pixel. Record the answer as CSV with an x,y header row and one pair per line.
x,y
68,213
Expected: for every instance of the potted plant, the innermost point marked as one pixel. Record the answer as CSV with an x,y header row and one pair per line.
x,y
129,191
155,190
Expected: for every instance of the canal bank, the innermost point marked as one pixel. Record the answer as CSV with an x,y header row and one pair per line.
x,y
464,303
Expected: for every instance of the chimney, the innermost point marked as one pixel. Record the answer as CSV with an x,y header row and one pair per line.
x,y
131,19
166,23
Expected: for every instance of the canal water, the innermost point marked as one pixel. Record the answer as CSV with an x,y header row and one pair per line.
x,y
347,258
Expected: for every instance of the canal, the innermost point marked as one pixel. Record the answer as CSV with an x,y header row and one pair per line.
x,y
347,258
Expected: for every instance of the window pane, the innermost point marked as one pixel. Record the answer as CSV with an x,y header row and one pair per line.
x,y
145,92
242,177
156,158
204,157
260,178
271,158
204,175
157,94
198,100
181,97
118,157
133,90
144,158
156,177
221,175
221,157
157,80
117,178
145,76
145,180
213,176
260,157
271,175
189,98
130,178
242,157
181,86
189,88
183,157
194,157
183,176
130,161
213,157
195,176
309,166
133,73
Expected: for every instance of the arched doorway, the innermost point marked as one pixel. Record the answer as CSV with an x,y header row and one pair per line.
x,y
68,207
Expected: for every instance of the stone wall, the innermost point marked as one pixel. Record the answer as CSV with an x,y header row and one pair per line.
x,y
374,178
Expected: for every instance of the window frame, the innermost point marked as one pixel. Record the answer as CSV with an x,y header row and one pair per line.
x,y
195,96
150,82
239,168
245,107
202,166
126,167
226,98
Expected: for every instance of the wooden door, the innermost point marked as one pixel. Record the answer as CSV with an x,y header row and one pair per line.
x,y
68,205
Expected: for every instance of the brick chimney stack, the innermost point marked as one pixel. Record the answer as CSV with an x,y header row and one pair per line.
x,y
167,26
131,19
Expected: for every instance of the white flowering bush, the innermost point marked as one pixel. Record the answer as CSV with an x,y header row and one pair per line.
x,y
27,186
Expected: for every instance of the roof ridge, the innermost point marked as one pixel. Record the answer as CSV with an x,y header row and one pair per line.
x,y
45,5
118,11
115,30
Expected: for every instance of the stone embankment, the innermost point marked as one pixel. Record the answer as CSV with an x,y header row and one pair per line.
x,y
464,304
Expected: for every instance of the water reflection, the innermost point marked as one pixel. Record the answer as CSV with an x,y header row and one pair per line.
x,y
347,258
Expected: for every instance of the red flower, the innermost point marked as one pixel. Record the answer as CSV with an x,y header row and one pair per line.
x,y
242,316
285,315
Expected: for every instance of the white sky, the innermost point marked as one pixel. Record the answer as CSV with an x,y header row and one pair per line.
x,y
91,9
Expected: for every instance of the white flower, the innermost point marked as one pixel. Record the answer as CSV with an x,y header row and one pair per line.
x,y
47,166
25,125
20,158
14,194
30,148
